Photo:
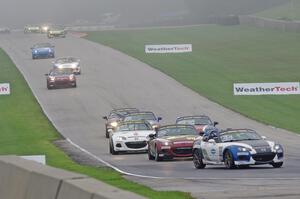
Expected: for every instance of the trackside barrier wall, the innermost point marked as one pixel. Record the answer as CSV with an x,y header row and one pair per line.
x,y
25,179
282,25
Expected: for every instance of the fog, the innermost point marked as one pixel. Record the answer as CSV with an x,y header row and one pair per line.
x,y
17,13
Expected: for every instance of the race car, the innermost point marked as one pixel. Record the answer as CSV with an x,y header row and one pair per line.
x,y
198,121
4,30
68,62
56,31
236,148
172,141
42,50
61,78
32,29
130,136
114,117
144,115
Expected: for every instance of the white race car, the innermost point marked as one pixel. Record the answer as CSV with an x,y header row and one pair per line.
x,y
130,136
236,148
68,62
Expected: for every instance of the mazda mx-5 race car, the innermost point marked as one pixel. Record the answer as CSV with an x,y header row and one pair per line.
x,y
115,116
198,121
61,78
172,141
56,31
236,148
130,136
144,115
32,29
68,62
42,50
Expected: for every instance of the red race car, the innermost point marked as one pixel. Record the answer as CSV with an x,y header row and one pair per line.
x,y
172,141
61,78
198,121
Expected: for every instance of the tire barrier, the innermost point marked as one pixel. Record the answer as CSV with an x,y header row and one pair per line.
x,y
25,179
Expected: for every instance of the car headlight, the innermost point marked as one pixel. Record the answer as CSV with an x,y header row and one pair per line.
x,y
52,78
244,149
278,148
155,126
35,51
71,77
50,50
121,138
114,124
166,143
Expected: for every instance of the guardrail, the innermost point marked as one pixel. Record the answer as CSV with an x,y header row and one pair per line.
x,y
25,179
283,25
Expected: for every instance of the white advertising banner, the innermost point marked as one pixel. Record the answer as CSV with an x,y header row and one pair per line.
x,y
4,89
280,88
168,48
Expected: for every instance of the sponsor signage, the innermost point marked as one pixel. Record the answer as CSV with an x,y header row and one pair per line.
x,y
4,89
168,48
280,88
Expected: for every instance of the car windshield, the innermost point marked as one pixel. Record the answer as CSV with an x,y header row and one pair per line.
x,y
195,121
65,60
140,116
57,28
65,71
134,127
239,136
176,131
42,45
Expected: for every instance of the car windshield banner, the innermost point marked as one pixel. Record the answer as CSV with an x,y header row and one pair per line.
x,y
4,89
168,48
280,88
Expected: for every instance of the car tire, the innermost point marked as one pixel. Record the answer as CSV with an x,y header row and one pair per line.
x,y
106,133
156,157
277,164
111,148
198,159
75,85
150,157
228,160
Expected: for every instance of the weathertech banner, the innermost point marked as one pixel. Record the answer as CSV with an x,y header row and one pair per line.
x,y
4,89
281,88
168,48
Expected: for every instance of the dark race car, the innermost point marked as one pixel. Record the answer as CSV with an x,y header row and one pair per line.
x,y
61,78
172,141
114,117
198,121
42,50
144,115
236,148
56,31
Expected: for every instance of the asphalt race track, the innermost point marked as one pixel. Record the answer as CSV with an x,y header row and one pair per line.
x,y
111,79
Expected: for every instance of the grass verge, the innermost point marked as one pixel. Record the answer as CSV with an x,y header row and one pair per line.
x,y
25,130
222,56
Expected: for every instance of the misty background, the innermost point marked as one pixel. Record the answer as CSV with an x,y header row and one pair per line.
x,y
124,13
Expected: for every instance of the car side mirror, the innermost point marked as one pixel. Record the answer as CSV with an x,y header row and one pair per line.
x,y
264,137
151,136
159,118
216,123
105,117
212,141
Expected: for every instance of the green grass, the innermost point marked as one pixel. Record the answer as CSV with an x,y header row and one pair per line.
x,y
222,56
288,11
24,130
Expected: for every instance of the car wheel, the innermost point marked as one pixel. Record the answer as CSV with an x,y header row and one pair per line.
x,y
111,148
150,157
75,85
198,159
228,160
106,133
277,164
156,157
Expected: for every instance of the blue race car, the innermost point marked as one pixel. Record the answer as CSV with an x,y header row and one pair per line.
x,y
42,50
236,148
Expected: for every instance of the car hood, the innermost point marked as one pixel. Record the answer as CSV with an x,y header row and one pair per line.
x,y
130,134
180,138
256,143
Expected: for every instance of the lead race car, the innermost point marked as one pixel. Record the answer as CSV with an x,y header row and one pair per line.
x,y
236,148
130,136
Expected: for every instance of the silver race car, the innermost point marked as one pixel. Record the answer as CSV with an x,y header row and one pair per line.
x,y
68,62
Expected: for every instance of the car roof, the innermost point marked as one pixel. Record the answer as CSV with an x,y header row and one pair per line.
x,y
192,116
